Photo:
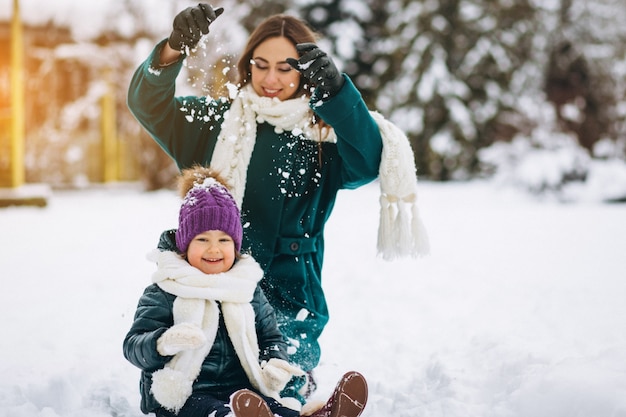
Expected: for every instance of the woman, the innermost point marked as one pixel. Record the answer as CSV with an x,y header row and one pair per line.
x,y
297,132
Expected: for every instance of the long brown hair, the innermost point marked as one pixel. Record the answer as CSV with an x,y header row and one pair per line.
x,y
280,25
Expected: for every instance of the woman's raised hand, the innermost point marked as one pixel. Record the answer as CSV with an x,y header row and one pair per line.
x,y
191,24
317,67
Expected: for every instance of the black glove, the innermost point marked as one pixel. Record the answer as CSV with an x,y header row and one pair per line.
x,y
317,67
191,24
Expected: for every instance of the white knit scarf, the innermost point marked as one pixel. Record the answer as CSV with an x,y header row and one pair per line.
x,y
400,232
196,300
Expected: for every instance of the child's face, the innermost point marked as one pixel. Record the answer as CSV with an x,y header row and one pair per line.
x,y
212,252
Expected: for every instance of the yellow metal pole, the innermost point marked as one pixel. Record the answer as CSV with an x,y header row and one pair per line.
x,y
18,124
109,133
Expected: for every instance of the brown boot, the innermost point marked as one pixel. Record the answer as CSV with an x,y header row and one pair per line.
x,y
348,399
246,403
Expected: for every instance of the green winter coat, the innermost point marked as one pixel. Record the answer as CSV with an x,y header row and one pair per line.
x,y
221,370
290,191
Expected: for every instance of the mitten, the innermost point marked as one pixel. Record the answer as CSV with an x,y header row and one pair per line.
x,y
317,67
277,372
179,337
191,24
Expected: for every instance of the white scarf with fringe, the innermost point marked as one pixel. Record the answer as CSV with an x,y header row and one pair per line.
x,y
400,232
196,300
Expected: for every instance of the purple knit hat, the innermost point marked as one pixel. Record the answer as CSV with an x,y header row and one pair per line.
x,y
208,206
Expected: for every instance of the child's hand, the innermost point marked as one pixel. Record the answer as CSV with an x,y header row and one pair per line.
x,y
183,336
277,372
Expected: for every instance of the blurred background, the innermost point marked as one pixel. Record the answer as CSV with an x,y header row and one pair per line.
x,y
532,93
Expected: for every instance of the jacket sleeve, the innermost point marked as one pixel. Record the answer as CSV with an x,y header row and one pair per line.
x,y
185,127
272,343
358,137
152,318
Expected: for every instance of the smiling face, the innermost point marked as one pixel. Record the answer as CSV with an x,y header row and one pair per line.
x,y
271,75
212,252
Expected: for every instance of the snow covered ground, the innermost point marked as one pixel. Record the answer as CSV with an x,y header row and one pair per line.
x,y
519,310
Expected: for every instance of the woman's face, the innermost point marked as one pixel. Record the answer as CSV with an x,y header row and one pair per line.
x,y
271,75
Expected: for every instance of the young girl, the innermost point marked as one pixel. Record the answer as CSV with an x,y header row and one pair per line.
x,y
204,335
204,329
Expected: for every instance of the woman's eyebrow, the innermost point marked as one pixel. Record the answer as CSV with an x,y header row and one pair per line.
x,y
266,61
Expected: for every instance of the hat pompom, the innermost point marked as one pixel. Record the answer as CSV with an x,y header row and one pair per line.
x,y
195,176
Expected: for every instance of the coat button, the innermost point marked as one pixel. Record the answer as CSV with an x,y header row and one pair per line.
x,y
294,246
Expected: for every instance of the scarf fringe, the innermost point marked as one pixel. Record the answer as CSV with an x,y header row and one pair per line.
x,y
421,242
401,232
